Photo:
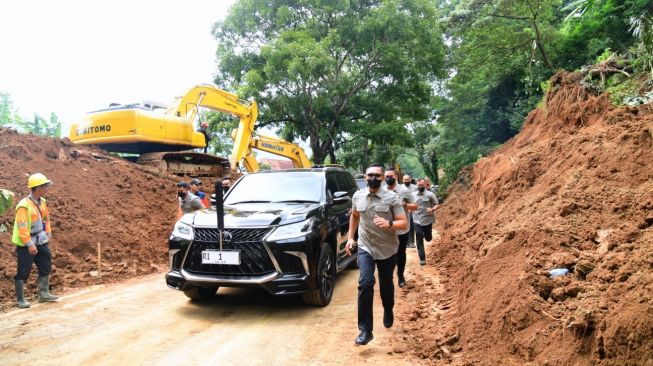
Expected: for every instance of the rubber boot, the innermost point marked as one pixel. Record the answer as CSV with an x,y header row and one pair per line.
x,y
20,295
44,290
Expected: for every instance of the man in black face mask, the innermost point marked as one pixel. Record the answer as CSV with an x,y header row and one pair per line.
x,y
424,217
408,202
226,184
378,215
188,202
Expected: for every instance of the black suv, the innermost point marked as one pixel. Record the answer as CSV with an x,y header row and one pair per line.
x,y
284,230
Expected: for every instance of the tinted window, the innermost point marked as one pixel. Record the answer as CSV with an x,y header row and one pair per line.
x,y
274,187
332,184
346,183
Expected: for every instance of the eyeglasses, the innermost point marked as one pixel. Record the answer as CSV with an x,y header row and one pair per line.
x,y
373,175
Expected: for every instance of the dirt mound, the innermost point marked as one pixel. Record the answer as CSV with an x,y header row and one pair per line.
x,y
95,198
573,190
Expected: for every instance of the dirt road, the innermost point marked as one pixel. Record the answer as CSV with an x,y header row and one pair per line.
x,y
141,322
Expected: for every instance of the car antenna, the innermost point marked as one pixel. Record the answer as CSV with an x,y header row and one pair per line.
x,y
219,209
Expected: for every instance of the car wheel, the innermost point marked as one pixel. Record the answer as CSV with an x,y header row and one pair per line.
x,y
326,278
201,293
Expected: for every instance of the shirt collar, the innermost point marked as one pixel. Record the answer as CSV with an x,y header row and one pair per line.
x,y
379,192
38,201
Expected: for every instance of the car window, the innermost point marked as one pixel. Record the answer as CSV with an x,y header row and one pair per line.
x,y
331,184
346,183
274,187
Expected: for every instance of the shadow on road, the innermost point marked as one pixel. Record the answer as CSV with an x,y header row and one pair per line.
x,y
244,302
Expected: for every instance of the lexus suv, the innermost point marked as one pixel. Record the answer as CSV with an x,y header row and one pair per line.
x,y
284,231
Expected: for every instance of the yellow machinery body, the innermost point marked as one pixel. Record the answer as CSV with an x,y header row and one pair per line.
x,y
162,136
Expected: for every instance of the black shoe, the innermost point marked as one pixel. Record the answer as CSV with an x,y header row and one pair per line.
x,y
402,283
364,338
388,318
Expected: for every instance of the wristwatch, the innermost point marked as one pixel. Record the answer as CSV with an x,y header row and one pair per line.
x,y
390,223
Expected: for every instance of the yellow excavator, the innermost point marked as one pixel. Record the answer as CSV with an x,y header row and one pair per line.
x,y
163,137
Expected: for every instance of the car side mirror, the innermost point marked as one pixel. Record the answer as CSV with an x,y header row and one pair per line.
x,y
340,198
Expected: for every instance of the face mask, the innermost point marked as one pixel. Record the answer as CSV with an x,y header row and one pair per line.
x,y
374,183
181,194
421,189
407,184
390,181
225,189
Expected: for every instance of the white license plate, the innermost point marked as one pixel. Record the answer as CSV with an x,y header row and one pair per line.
x,y
221,257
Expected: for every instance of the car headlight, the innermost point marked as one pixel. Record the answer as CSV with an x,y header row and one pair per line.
x,y
183,231
292,231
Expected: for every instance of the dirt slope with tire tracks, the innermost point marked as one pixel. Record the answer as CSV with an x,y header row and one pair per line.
x,y
573,190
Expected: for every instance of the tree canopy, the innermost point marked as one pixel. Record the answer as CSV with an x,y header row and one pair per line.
x,y
331,72
434,83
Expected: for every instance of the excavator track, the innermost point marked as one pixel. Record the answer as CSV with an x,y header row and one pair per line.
x,y
187,163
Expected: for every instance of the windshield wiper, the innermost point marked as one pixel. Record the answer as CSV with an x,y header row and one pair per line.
x,y
235,203
296,201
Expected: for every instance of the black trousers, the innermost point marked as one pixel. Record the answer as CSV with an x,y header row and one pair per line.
x,y
411,233
386,267
43,260
401,255
422,232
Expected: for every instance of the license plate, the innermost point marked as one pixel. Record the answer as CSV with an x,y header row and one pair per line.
x,y
231,257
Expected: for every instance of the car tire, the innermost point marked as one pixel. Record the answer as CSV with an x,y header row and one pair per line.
x,y
201,293
325,278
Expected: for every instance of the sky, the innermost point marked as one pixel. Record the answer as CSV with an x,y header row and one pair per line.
x,y
72,57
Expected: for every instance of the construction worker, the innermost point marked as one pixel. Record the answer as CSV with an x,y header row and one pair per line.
x,y
188,202
378,215
424,217
32,232
408,202
195,185
204,130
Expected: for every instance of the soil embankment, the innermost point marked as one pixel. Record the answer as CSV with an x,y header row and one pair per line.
x,y
573,190
95,198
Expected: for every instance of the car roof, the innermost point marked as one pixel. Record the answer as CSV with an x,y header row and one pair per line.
x,y
315,169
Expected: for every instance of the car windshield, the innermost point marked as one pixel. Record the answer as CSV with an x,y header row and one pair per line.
x,y
299,187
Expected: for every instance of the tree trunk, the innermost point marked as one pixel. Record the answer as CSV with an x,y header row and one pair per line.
x,y
318,152
540,45
366,155
332,156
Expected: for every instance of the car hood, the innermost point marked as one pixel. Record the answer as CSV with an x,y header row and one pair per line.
x,y
255,214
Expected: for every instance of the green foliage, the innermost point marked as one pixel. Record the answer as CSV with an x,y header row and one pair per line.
x,y
360,85
221,126
333,72
8,113
6,200
642,27
37,125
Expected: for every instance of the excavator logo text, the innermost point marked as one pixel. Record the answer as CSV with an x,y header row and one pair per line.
x,y
93,129
273,147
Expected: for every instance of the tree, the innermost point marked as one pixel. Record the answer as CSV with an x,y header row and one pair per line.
x,y
330,72
8,113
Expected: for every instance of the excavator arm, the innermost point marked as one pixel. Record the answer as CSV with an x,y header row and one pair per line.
x,y
281,147
219,100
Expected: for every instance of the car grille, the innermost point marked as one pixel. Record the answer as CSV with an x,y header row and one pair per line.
x,y
254,258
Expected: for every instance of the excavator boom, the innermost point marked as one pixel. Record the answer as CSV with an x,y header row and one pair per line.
x,y
161,135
